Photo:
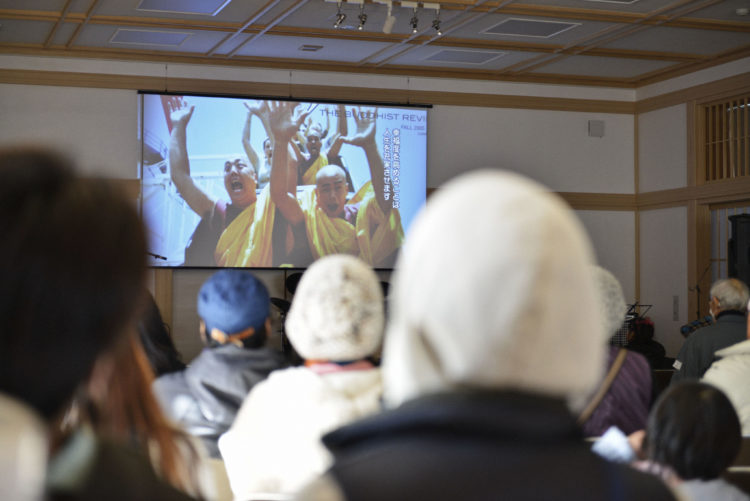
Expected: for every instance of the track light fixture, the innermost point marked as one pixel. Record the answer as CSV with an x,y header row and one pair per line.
x,y
436,23
340,16
413,22
362,17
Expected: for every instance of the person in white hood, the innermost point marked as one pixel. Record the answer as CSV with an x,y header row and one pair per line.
x,y
335,323
730,373
489,347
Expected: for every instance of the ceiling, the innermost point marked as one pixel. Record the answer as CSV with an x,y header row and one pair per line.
x,y
621,43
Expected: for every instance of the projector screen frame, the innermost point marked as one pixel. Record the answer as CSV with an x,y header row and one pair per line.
x,y
157,256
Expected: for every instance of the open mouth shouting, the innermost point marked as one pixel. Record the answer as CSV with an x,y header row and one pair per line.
x,y
235,184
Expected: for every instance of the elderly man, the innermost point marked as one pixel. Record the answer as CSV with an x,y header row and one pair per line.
x,y
485,356
728,300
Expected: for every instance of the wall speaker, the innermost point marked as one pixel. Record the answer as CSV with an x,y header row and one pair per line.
x,y
596,128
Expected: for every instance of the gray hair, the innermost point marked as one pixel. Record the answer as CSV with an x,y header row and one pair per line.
x,y
731,293
611,298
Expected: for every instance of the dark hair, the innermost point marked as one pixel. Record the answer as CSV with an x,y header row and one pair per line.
x,y
156,340
694,429
72,269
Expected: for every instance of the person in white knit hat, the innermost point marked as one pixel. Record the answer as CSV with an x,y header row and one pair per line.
x,y
490,345
335,323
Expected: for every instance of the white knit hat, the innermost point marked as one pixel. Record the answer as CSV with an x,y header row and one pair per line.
x,y
492,290
337,311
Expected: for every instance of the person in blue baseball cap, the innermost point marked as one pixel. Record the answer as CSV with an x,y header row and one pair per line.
x,y
234,308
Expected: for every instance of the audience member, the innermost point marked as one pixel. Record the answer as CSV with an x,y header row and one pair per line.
x,y
728,300
641,340
731,374
623,397
72,262
692,437
156,341
204,398
117,402
335,322
485,354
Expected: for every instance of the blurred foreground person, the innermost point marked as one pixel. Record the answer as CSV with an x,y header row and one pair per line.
x,y
117,402
692,437
335,323
72,272
623,397
485,355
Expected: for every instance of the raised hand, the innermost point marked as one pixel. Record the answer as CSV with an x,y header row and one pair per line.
x,y
179,111
259,109
282,119
365,122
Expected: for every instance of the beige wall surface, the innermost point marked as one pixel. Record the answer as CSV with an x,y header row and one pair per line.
x,y
97,127
612,234
662,149
552,147
663,258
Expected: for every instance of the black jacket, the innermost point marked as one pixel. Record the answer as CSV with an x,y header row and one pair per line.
x,y
479,446
698,351
205,397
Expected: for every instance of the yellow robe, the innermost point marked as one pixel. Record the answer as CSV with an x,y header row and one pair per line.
x,y
246,242
309,176
372,238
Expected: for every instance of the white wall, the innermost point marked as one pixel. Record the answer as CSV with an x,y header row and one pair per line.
x,y
612,234
552,147
96,127
662,149
663,258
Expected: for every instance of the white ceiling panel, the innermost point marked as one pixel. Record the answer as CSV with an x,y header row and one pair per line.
x,y
274,46
25,32
610,67
637,6
683,40
435,57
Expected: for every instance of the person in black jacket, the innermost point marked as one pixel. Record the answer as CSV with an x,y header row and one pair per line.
x,y
205,397
728,300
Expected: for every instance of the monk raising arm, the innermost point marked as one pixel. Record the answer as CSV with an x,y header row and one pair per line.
x,y
283,127
179,164
365,139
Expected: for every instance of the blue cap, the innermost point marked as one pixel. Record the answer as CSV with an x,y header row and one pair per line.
x,y
233,301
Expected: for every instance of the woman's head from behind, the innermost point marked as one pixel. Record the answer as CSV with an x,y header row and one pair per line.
x,y
337,311
694,429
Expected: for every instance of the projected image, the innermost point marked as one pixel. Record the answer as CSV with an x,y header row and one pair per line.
x,y
231,182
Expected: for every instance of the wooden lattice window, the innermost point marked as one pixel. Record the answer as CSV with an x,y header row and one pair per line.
x,y
726,139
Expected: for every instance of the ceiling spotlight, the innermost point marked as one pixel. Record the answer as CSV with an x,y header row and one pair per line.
x,y
340,16
413,22
362,17
436,23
